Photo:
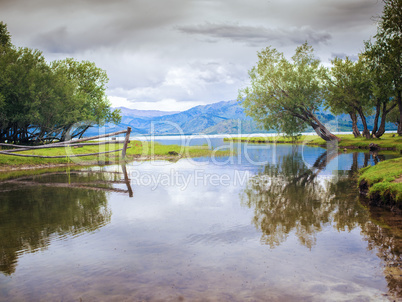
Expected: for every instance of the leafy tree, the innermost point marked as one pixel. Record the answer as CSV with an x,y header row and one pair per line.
x,y
92,105
40,102
349,91
386,50
382,93
284,95
5,37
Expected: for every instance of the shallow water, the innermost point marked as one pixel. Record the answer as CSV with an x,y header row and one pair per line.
x,y
272,223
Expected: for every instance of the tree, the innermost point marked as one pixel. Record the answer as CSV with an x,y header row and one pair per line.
x,y
382,94
284,95
386,50
92,104
40,102
5,37
349,91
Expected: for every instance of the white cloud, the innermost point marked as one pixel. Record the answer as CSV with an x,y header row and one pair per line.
x,y
187,84
162,105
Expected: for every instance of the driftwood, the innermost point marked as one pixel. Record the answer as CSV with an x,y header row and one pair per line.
x,y
71,143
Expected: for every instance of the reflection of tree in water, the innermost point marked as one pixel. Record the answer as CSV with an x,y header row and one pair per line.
x,y
289,197
384,235
31,214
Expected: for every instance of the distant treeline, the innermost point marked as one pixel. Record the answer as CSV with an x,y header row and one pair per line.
x,y
41,101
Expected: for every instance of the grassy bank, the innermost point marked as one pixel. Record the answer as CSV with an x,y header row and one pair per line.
x,y
138,151
383,182
348,141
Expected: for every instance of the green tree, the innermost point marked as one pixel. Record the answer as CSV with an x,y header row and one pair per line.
x,y
349,91
92,105
284,95
5,37
40,102
386,50
382,93
21,86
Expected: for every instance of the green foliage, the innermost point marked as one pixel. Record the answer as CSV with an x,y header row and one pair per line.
x,y
349,87
284,95
385,52
5,37
40,101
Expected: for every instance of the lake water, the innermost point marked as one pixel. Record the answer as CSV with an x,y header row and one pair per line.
x,y
271,223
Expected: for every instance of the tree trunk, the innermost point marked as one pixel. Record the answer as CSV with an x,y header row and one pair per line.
x,y
377,115
399,101
366,132
83,131
318,127
323,132
385,111
353,117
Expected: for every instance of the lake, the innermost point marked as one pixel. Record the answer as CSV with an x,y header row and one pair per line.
x,y
270,223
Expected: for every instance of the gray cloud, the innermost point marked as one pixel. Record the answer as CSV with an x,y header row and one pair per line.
x,y
196,51
352,57
257,35
75,26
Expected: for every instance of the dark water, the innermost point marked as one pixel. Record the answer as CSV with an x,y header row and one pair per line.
x,y
271,223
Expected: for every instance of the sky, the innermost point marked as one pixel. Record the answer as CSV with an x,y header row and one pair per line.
x,y
172,55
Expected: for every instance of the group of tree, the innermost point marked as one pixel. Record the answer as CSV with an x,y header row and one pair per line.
x,y
40,101
286,95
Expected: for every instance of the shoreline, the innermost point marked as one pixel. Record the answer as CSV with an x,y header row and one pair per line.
x,y
382,184
12,168
386,143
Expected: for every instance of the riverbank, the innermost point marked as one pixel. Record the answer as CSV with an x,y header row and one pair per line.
x,y
137,151
387,142
382,184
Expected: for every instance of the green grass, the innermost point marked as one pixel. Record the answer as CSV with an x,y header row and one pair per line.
x,y
138,150
348,140
381,178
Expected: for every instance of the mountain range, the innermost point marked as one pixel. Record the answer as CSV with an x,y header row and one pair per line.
x,y
226,117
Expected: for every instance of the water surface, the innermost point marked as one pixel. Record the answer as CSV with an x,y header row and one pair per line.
x,y
271,223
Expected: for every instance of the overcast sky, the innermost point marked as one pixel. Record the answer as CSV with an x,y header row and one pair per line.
x,y
176,54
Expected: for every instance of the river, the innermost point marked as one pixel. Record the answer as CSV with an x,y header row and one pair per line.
x,y
270,223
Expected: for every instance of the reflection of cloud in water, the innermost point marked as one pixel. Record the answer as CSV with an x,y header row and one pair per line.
x,y
228,236
200,243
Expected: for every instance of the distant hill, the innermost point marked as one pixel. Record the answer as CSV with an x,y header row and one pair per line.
x,y
219,118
